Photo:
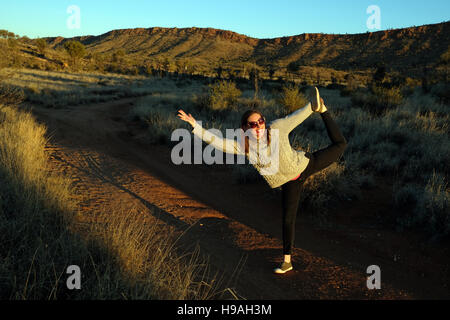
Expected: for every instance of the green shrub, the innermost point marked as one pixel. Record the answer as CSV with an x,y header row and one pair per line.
x,y
291,99
222,95
75,50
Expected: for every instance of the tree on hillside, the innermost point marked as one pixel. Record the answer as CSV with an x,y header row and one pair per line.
x,y
118,56
12,43
8,35
380,74
41,45
99,61
190,68
158,67
445,57
183,67
254,74
271,71
293,67
219,71
75,50
167,64
25,39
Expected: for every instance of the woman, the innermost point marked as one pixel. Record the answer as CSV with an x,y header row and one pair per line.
x,y
293,167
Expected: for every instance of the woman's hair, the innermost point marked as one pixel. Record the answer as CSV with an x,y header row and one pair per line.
x,y
244,120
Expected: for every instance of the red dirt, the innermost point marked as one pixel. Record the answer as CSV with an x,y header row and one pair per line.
x,y
240,225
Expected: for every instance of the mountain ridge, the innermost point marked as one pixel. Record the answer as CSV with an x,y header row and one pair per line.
x,y
404,49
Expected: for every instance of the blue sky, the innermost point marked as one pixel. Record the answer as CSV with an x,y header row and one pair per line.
x,y
255,18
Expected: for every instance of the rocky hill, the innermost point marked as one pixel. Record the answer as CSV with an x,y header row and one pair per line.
x,y
407,50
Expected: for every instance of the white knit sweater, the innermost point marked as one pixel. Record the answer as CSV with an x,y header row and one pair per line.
x,y
282,164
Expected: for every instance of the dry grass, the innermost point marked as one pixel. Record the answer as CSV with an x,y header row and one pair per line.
x,y
55,89
40,235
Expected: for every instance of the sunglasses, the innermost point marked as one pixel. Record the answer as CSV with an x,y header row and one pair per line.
x,y
254,124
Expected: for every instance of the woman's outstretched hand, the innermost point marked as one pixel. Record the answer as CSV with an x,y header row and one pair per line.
x,y
188,118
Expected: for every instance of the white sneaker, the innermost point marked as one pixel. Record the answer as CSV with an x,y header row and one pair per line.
x,y
322,108
285,267
314,97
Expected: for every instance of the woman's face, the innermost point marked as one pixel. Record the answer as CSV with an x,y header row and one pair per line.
x,y
256,125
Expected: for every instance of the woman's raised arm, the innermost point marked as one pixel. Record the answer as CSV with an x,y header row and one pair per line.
x,y
185,117
222,144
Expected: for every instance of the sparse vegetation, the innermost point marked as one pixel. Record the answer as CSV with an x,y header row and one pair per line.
x,y
66,89
120,258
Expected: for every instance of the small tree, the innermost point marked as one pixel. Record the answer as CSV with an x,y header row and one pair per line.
x,y
75,50
219,71
118,56
12,43
271,72
445,57
181,66
4,34
291,98
351,86
293,67
41,45
380,74
254,78
222,95
99,61
167,64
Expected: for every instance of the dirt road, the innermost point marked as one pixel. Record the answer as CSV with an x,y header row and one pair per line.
x,y
239,226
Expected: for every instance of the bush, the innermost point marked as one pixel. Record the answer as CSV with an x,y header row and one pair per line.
x,y
425,207
378,99
291,98
75,50
11,95
41,45
351,86
222,95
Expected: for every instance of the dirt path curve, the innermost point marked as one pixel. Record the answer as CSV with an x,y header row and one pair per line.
x,y
238,226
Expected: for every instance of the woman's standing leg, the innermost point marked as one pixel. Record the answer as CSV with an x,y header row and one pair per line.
x,y
291,190
290,194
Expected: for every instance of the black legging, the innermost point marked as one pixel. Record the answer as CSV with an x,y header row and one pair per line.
x,y
318,161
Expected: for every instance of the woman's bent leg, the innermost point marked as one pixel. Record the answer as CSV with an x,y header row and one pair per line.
x,y
324,157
